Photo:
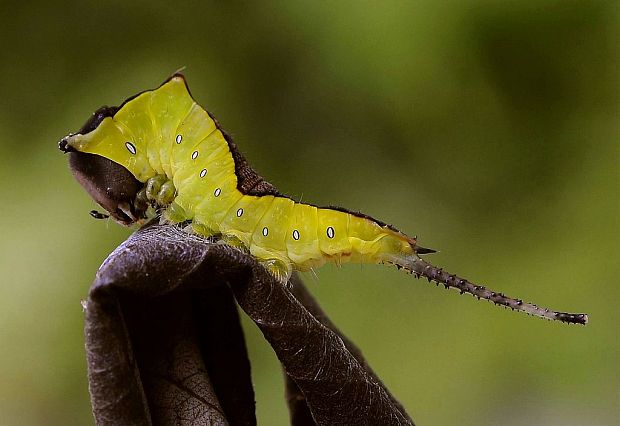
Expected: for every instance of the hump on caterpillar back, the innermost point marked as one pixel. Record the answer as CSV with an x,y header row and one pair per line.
x,y
119,148
136,133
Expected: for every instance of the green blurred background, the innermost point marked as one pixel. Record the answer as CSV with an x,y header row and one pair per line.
x,y
489,129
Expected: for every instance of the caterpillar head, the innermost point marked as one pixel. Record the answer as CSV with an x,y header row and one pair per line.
x,y
109,183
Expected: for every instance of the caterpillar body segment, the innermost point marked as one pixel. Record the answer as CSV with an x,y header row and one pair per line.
x,y
190,170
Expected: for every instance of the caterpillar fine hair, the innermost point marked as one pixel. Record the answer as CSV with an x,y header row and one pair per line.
x,y
161,149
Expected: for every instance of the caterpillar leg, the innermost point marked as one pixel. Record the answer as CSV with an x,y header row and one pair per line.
x,y
202,229
279,269
175,214
235,242
160,190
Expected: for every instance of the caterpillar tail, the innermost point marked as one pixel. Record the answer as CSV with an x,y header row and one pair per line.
x,y
421,268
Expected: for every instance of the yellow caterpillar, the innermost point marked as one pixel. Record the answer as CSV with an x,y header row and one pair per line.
x,y
181,162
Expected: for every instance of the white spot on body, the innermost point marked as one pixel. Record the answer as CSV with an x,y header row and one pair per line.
x,y
239,212
179,138
330,232
194,155
130,147
203,173
296,235
217,192
265,231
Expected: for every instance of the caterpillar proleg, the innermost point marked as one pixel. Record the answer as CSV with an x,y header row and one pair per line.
x,y
160,148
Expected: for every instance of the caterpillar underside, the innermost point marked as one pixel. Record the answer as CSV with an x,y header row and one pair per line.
x,y
191,171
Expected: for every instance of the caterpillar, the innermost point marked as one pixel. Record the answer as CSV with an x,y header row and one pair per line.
x,y
161,149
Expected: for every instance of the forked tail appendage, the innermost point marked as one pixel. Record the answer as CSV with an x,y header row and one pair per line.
x,y
421,268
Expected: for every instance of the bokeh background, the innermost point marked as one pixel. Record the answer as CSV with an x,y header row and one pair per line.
x,y
489,129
